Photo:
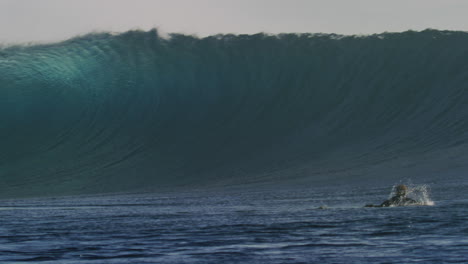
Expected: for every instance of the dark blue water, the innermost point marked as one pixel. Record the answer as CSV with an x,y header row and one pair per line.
x,y
275,226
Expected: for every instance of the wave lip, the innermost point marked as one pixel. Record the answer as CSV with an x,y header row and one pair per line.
x,y
107,112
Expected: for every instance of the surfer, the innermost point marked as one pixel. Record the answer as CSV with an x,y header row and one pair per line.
x,y
400,199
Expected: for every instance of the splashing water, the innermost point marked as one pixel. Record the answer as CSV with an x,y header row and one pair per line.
x,y
418,192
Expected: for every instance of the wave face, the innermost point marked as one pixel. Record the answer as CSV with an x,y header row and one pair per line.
x,y
105,112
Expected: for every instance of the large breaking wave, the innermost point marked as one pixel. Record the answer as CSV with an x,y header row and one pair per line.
x,y
107,112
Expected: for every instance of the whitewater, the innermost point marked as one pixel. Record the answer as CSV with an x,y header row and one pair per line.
x,y
139,148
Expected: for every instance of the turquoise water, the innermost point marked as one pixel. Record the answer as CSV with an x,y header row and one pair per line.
x,y
137,112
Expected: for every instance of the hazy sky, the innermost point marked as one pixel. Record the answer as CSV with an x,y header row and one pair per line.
x,y
52,20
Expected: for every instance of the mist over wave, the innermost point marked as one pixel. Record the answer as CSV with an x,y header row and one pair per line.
x,y
136,111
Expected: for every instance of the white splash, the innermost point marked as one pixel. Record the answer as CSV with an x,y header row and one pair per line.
x,y
418,192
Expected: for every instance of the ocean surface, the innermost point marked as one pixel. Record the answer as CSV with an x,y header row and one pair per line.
x,y
137,147
275,226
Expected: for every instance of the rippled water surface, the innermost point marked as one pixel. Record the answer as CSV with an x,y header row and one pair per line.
x,y
284,226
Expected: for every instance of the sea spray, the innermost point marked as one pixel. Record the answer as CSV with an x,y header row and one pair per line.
x,y
418,192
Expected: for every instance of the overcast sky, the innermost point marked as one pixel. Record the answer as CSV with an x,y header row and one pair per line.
x,y
52,20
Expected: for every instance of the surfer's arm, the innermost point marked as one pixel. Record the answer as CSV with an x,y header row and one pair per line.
x,y
387,203
372,205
